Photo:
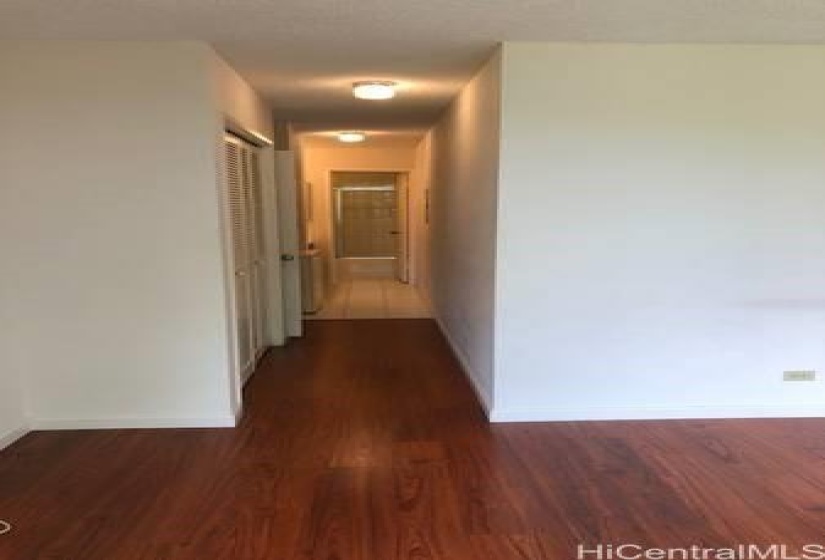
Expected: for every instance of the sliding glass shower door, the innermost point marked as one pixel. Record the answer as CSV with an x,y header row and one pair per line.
x,y
366,222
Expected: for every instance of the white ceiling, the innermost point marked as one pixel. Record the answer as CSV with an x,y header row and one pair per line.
x,y
303,54
388,139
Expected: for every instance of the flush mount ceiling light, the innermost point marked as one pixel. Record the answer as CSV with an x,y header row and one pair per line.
x,y
373,90
351,137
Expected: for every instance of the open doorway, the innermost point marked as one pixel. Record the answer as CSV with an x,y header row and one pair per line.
x,y
369,225
371,247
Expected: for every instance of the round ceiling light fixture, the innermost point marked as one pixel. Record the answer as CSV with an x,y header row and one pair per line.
x,y
374,90
351,137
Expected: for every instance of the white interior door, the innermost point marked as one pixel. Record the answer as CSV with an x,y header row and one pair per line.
x,y
287,184
270,246
238,187
254,233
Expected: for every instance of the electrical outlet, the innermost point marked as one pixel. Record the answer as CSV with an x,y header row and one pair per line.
x,y
800,375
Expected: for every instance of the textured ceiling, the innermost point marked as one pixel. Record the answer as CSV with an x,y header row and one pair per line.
x,y
303,54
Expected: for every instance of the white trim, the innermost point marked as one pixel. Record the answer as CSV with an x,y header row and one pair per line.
x,y
248,371
130,423
481,394
253,137
238,416
230,317
10,437
563,414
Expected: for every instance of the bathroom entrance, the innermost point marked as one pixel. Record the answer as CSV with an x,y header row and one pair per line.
x,y
370,230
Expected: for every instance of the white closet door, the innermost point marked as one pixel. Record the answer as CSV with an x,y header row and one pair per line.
x,y
239,212
255,243
259,270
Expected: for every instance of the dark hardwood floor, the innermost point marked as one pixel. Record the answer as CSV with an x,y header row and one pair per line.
x,y
364,442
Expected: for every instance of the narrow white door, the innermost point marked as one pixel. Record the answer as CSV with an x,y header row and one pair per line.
x,y
270,247
287,184
254,234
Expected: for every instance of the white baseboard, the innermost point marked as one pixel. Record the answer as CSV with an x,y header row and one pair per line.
x,y
481,393
558,414
12,436
246,374
130,423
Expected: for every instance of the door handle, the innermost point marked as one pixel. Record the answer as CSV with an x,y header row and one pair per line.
x,y
287,257
395,232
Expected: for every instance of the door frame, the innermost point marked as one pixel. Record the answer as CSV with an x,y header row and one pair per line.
x,y
338,219
273,315
333,241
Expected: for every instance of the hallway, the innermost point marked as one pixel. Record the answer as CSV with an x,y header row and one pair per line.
x,y
363,441
373,298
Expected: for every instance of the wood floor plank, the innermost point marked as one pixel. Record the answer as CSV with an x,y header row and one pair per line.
x,y
364,441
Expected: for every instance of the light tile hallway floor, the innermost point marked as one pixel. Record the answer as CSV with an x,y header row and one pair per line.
x,y
373,298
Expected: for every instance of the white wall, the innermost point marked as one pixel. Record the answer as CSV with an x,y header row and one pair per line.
x,y
13,421
465,146
661,247
111,233
421,181
238,102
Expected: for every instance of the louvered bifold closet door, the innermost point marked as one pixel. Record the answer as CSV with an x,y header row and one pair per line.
x,y
254,243
239,212
260,247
